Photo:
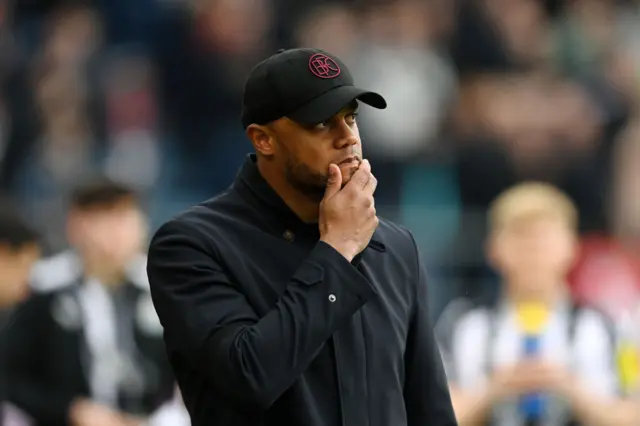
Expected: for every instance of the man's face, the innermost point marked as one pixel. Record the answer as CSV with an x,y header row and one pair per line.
x,y
305,152
15,268
535,251
114,234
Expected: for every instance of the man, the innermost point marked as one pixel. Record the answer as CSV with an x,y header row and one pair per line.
x,y
19,250
87,348
536,358
285,300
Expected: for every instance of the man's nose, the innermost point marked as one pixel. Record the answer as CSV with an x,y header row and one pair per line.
x,y
346,137
346,142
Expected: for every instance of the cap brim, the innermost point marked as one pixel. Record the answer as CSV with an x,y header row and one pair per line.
x,y
330,103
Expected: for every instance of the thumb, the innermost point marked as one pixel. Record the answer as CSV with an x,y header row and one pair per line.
x,y
334,183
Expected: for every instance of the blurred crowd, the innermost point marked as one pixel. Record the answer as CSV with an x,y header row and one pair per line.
x,y
483,95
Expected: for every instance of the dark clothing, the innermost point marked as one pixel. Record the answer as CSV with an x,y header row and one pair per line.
x,y
5,317
49,359
266,325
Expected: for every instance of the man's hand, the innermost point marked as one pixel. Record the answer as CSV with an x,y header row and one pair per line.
x,y
553,378
529,377
511,381
348,215
133,420
88,413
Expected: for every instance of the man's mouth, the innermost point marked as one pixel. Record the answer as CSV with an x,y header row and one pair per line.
x,y
353,160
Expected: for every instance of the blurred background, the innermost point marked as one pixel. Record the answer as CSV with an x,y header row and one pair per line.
x,y
482,94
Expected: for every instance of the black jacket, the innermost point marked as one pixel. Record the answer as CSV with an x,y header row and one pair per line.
x,y
47,358
5,317
265,325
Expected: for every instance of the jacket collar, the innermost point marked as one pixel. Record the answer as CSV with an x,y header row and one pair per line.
x,y
255,189
250,184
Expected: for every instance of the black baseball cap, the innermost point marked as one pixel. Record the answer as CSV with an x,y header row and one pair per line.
x,y
308,86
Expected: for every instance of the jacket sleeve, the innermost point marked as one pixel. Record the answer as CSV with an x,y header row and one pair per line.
x,y
209,322
426,390
27,390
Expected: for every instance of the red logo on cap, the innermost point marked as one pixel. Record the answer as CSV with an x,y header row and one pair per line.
x,y
323,66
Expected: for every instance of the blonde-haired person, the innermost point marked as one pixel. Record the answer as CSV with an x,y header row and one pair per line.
x,y
535,357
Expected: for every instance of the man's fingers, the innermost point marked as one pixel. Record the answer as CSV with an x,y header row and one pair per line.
x,y
334,183
361,176
371,185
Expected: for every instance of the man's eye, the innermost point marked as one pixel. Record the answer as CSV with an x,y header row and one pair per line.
x,y
352,117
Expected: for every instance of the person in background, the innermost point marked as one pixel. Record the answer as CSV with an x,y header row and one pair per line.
x,y
19,250
536,357
87,348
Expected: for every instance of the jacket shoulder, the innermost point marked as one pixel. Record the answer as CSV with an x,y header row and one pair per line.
x,y
203,225
209,213
396,237
56,272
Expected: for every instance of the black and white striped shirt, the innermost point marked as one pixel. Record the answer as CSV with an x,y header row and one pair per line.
x,y
480,339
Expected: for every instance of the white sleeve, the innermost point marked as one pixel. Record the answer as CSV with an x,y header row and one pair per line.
x,y
13,416
171,413
595,354
445,329
469,349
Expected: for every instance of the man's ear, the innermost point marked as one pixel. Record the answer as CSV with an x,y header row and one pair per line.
x,y
491,250
261,136
575,248
75,227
